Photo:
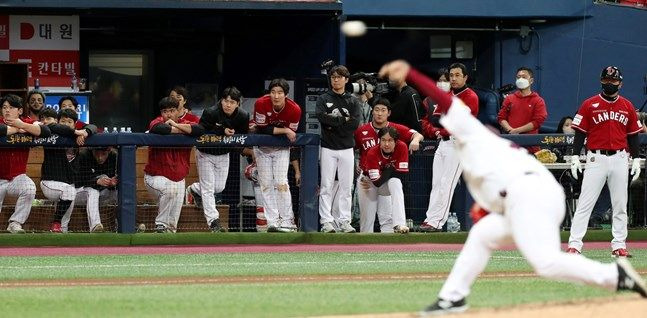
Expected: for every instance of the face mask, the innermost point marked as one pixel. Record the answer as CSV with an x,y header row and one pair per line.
x,y
444,86
610,89
522,83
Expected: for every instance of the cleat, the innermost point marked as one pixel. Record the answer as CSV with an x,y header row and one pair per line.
x,y
15,228
621,252
97,228
286,229
572,250
426,227
346,228
215,226
193,197
55,227
401,229
272,228
443,307
327,228
629,279
160,228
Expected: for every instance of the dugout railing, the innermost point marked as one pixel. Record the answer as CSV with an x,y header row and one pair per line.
x,y
127,144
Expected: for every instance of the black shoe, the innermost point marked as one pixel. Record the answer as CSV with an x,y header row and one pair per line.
x,y
197,198
442,307
215,226
160,228
629,279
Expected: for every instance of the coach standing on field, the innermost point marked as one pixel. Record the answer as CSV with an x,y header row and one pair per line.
x,y
338,112
610,125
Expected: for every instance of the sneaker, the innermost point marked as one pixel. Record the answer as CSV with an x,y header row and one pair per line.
x,y
327,228
629,279
428,228
346,228
572,250
215,226
401,229
15,228
192,194
97,228
272,228
442,307
160,228
621,252
55,227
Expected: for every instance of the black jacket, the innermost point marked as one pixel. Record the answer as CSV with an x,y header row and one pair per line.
x,y
332,111
90,170
407,108
62,164
214,121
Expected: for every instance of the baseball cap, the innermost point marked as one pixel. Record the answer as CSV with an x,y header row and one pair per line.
x,y
611,72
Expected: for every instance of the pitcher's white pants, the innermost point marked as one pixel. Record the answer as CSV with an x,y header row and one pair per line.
x,y
212,173
534,208
170,195
22,187
272,164
340,162
387,202
600,169
446,172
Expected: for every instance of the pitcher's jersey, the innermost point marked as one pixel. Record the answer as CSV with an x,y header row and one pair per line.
x,y
607,124
376,161
366,138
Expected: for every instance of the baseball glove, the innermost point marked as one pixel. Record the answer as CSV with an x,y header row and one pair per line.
x,y
546,156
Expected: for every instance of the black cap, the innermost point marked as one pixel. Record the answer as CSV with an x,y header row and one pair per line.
x,y
611,72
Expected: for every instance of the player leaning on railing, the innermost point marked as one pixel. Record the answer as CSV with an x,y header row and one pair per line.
x,y
13,178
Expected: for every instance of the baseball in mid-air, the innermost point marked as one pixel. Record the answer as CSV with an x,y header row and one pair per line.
x,y
353,28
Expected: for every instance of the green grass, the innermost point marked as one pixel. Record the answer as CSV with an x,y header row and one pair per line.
x,y
203,238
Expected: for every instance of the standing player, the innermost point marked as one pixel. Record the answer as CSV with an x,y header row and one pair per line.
x,y
385,168
338,113
446,169
71,103
13,170
366,137
167,167
35,103
225,119
610,125
525,202
275,114
180,94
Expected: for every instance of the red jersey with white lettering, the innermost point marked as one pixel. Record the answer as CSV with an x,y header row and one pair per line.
x,y
14,160
607,124
366,138
377,161
288,117
469,97
191,118
78,125
172,163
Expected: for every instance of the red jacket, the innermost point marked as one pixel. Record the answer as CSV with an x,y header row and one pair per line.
x,y
14,160
519,110
172,163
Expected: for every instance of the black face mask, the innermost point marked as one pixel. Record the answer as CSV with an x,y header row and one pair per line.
x,y
610,89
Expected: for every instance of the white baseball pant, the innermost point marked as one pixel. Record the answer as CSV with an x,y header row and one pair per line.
x,y
170,195
91,198
342,163
212,173
22,187
56,191
600,169
446,173
272,164
387,202
534,209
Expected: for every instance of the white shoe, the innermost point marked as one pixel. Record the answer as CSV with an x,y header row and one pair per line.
x,y
15,228
272,228
327,228
97,228
402,229
346,228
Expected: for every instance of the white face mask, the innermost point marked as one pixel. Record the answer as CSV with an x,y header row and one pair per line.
x,y
444,86
522,83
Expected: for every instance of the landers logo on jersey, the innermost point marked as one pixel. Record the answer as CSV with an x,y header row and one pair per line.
x,y
602,116
368,144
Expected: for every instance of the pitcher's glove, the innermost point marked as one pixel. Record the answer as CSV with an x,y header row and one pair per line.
x,y
546,156
477,213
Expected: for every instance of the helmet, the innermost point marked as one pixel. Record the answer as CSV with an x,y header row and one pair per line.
x,y
251,173
611,72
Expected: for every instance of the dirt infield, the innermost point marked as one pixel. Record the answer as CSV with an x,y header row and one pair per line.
x,y
627,306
